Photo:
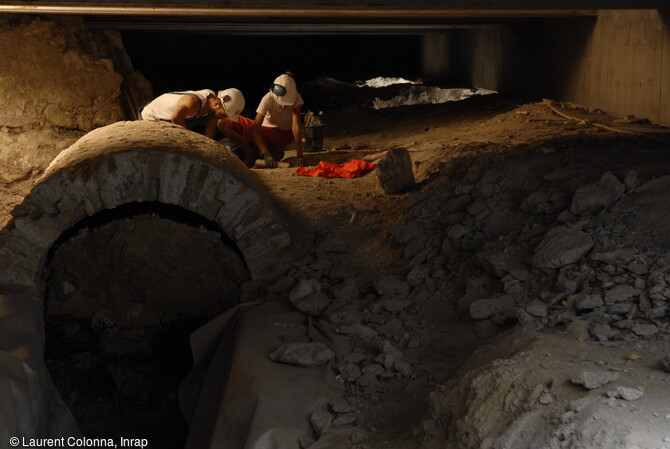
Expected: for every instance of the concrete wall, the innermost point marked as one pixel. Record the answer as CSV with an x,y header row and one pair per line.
x,y
621,69
665,70
618,62
435,56
484,57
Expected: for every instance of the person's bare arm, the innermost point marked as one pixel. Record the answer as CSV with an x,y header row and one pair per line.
x,y
187,107
256,134
296,128
210,131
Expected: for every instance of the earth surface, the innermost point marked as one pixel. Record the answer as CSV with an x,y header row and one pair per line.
x,y
500,384
456,363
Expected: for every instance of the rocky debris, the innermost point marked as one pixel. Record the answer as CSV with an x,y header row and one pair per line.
x,y
392,287
358,330
594,379
394,171
304,288
314,304
523,400
281,285
579,329
664,364
303,354
345,419
322,421
561,246
590,275
340,406
592,198
592,267
489,307
625,393
307,297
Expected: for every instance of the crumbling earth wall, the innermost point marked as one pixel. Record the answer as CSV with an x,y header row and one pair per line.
x,y
59,81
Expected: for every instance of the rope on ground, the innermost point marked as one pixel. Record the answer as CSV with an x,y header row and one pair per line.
x,y
553,105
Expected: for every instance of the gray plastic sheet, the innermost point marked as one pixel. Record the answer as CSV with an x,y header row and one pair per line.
x,y
237,398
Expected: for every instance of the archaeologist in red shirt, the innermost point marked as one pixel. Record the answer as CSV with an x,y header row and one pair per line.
x,y
192,108
276,125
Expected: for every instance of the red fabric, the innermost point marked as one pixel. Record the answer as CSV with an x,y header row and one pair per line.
x,y
325,169
240,125
274,138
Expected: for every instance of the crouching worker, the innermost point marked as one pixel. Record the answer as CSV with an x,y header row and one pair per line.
x,y
276,125
194,109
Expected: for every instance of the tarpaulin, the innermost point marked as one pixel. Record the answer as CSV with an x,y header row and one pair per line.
x,y
326,169
235,397
29,402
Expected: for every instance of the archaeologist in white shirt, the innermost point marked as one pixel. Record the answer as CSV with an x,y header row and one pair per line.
x,y
278,121
191,108
276,125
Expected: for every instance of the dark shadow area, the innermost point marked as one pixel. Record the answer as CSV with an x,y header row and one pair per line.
x,y
162,210
125,288
551,53
251,63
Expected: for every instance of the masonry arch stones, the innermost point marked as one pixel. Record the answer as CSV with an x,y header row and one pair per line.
x,y
135,162
123,163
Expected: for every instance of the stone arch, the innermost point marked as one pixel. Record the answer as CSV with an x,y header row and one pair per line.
x,y
143,161
119,164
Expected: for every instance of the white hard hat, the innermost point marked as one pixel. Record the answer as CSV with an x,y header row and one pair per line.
x,y
232,101
284,90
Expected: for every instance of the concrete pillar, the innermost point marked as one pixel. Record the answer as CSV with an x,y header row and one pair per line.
x,y
435,57
664,114
491,48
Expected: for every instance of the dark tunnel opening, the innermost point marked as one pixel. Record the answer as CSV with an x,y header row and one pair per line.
x,y
124,289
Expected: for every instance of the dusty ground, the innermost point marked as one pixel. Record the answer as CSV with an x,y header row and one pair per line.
x,y
448,142
470,381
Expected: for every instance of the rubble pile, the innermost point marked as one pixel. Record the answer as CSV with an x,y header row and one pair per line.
x,y
378,313
546,257
537,254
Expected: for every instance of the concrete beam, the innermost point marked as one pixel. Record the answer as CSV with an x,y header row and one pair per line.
x,y
300,13
273,8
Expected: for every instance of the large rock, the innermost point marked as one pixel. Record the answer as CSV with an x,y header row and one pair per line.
x,y
594,197
594,379
303,354
394,171
488,307
561,246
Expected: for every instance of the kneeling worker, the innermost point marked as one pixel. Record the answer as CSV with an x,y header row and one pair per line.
x,y
193,107
276,125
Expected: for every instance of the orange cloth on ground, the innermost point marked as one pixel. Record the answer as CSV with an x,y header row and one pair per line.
x,y
325,169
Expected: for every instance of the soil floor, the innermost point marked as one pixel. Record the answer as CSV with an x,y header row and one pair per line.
x,y
447,142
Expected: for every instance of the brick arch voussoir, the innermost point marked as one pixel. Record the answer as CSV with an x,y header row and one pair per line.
x,y
90,176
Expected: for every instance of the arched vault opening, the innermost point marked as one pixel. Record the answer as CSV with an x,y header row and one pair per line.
x,y
146,178
138,162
